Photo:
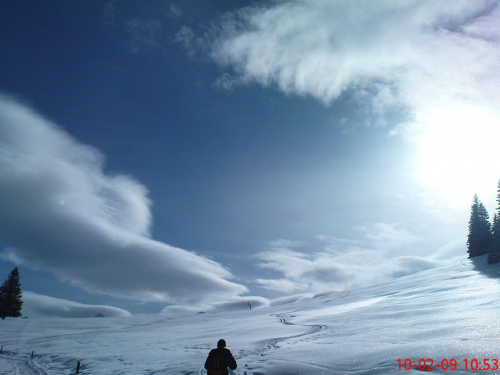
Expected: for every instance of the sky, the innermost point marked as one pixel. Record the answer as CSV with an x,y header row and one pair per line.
x,y
160,154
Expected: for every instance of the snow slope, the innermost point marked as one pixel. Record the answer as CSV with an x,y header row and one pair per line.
x,y
444,313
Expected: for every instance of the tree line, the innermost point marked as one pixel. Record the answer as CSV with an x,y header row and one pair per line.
x,y
484,236
11,296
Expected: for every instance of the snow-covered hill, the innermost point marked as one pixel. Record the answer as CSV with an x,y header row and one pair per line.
x,y
440,314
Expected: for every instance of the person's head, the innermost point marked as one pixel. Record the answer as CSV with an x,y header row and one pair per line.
x,y
221,343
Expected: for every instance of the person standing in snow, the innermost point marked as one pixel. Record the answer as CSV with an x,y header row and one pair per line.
x,y
219,360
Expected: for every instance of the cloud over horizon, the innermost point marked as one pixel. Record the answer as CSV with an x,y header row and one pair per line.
x,y
37,305
62,213
343,265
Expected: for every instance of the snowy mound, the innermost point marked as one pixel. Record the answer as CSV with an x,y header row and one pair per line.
x,y
441,315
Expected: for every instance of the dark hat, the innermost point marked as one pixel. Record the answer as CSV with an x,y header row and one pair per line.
x,y
221,343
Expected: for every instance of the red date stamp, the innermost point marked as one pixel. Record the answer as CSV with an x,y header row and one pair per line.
x,y
429,364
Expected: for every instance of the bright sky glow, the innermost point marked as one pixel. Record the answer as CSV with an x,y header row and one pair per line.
x,y
459,153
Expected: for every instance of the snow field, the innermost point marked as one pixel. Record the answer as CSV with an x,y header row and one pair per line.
x,y
444,313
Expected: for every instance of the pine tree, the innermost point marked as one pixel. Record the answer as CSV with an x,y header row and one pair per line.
x,y
3,302
11,296
494,256
480,238
498,196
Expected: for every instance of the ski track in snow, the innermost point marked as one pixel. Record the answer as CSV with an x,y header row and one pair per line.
x,y
39,366
273,342
18,365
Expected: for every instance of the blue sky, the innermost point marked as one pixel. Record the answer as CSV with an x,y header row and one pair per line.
x,y
193,153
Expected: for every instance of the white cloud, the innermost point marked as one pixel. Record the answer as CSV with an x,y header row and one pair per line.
x,y
389,236
431,58
37,305
453,250
61,213
193,43
143,33
284,285
342,264
324,47
175,11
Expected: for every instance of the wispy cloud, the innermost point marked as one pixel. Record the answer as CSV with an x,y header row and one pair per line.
x,y
138,34
431,59
343,264
37,305
193,43
175,11
395,51
143,33
62,213
385,236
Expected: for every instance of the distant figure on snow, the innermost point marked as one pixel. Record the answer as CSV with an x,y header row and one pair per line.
x,y
219,360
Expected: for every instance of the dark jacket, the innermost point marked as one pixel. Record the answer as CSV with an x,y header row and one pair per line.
x,y
228,360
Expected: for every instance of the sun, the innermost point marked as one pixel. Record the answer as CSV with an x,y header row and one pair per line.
x,y
459,153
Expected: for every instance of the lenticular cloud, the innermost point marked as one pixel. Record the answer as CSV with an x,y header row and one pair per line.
x,y
61,213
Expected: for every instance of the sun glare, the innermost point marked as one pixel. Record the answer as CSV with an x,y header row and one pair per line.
x,y
459,154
